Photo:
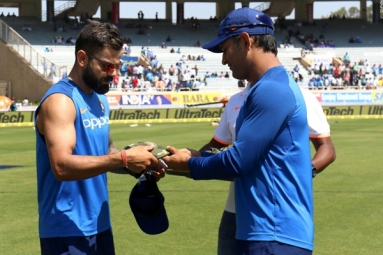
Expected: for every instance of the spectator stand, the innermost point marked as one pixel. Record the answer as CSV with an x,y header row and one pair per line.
x,y
160,31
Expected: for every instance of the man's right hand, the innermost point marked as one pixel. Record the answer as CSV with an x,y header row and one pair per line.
x,y
140,158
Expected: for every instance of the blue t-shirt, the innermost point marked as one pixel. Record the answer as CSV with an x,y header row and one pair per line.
x,y
124,68
75,208
149,76
270,162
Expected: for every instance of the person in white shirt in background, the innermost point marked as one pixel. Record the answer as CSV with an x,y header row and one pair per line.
x,y
25,101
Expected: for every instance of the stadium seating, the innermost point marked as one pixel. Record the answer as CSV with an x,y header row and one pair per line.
x,y
340,30
185,37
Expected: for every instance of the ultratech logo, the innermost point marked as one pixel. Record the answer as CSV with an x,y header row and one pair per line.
x,y
201,113
152,114
353,110
134,115
7,118
375,110
332,110
95,122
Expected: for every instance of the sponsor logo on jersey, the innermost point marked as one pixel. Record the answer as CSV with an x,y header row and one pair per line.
x,y
95,122
83,110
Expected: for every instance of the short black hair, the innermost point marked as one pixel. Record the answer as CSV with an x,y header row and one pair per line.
x,y
266,42
96,35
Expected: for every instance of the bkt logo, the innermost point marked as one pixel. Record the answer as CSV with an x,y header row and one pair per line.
x,y
95,122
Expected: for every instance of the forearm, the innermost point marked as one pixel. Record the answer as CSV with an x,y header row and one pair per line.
x,y
213,144
324,153
80,167
322,158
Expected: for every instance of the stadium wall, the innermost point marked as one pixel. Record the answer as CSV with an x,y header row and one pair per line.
x,y
25,81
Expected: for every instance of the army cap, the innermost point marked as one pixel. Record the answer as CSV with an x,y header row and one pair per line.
x,y
158,151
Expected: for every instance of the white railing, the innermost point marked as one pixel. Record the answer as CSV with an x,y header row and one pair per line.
x,y
37,61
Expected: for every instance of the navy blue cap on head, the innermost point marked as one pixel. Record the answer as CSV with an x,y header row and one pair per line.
x,y
147,204
244,19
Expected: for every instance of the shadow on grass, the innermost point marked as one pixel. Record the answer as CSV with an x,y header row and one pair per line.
x,y
5,167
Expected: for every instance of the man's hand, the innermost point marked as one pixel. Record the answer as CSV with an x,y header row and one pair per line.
x,y
178,159
159,171
140,158
193,153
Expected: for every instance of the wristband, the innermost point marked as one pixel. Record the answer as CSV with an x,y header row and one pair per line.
x,y
314,170
124,159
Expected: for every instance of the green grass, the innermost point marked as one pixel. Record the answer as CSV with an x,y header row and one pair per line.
x,y
348,195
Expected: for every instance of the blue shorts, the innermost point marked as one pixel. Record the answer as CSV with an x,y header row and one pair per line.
x,y
269,248
99,244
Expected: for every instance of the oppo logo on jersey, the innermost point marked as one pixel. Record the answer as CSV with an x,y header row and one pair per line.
x,y
95,122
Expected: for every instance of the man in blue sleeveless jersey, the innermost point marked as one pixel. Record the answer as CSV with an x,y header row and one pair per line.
x,y
271,152
74,150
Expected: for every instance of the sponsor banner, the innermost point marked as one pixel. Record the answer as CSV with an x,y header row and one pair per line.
x,y
129,60
113,100
144,99
356,110
138,99
190,115
16,118
175,114
130,116
118,99
377,97
326,60
329,98
195,98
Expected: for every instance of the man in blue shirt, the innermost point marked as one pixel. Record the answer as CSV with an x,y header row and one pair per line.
x,y
273,195
74,150
296,68
154,62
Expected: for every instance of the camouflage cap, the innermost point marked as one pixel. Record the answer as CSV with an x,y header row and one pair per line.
x,y
158,150
216,150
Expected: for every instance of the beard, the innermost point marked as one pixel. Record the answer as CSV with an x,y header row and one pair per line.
x,y
91,80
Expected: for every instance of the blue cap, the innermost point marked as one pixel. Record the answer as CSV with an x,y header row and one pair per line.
x,y
245,19
147,204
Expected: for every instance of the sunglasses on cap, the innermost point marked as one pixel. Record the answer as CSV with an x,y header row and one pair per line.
x,y
106,66
264,20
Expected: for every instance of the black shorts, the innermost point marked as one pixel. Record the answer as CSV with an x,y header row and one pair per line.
x,y
99,244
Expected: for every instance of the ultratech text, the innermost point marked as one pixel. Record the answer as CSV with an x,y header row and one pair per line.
x,y
135,115
353,110
5,118
200,113
375,110
332,110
